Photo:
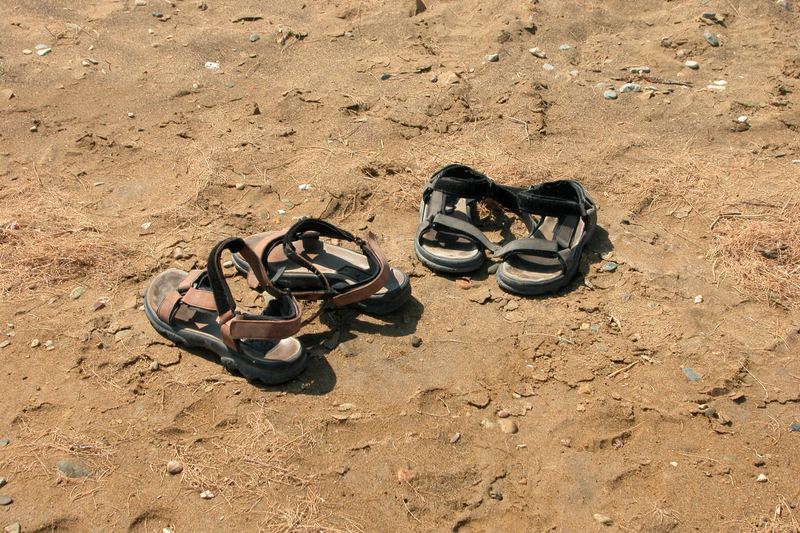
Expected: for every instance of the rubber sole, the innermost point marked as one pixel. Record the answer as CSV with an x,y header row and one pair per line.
x,y
231,361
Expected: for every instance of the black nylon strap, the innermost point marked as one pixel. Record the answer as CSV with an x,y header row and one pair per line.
x,y
555,198
461,181
222,293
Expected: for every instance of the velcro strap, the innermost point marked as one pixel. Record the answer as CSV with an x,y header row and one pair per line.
x,y
166,309
199,298
453,225
461,181
531,246
555,198
368,287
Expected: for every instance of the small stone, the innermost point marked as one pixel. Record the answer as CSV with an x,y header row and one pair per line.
x,y
228,264
603,519
140,2
610,95
416,342
239,186
177,253
174,467
493,58
694,65
720,83
463,284
404,475
513,305
254,37
212,65
13,528
690,374
154,366
479,399
76,293
712,39
131,115
434,78
548,67
4,442
304,187
43,52
27,52
347,349
631,88
207,495
146,226
385,76
48,345
698,299
762,478
6,500
609,266
742,119
564,47
5,343
73,469
455,438
508,425
502,413
639,70
3,482
538,53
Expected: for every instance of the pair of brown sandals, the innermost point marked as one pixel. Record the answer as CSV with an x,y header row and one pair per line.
x,y
197,310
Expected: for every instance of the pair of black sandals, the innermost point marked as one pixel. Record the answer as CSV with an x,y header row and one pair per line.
x,y
559,216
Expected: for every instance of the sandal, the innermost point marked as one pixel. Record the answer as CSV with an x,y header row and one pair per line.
x,y
549,257
196,309
298,260
447,239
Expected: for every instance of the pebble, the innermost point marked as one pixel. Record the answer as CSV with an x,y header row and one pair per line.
x,y
304,187
694,65
434,78
131,115
720,83
154,366
44,51
493,58
178,253
715,88
795,427
48,345
239,186
690,374
140,2
711,38
762,478
639,70
4,442
455,438
3,482
416,342
5,500
385,76
513,305
27,52
610,95
13,528
603,519
698,299
76,293
463,284
73,469
212,65
347,349
5,343
548,67
207,495
174,468
254,37
631,88
609,266
502,413
564,47
508,425
538,53
742,119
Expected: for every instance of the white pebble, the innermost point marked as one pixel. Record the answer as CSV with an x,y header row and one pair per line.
x,y
673,463
146,225
212,65
206,494
742,119
548,67
304,186
538,53
762,478
35,343
721,83
131,115
694,65
698,299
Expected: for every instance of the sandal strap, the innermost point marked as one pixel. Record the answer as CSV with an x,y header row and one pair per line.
x,y
538,247
459,180
554,198
449,224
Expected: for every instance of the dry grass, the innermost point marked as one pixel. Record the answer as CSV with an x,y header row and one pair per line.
x,y
46,240
760,252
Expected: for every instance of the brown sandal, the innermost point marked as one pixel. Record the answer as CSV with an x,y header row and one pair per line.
x,y
196,309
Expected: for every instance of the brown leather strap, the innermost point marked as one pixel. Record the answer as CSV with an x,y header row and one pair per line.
x,y
189,280
261,250
166,309
258,327
200,299
368,289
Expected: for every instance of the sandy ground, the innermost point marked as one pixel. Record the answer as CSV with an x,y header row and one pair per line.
x,y
119,146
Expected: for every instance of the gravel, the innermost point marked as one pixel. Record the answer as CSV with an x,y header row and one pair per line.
x,y
631,88
712,39
493,58
694,65
610,95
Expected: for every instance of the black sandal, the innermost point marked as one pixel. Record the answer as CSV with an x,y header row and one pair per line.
x,y
447,239
549,257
